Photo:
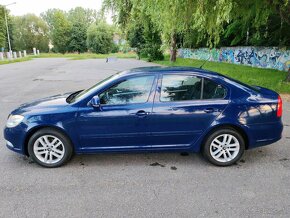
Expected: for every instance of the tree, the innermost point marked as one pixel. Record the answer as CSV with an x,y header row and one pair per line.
x,y
83,16
30,31
152,48
174,17
49,17
59,29
259,23
136,38
210,23
281,7
100,38
3,28
78,38
61,32
80,19
142,34
68,30
288,76
145,37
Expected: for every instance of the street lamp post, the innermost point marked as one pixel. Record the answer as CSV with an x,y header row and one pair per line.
x,y
8,35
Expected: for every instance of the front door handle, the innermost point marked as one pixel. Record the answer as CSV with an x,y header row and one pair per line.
x,y
141,113
209,110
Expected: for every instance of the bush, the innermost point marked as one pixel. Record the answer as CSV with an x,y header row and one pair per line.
x,y
115,48
100,38
152,52
125,48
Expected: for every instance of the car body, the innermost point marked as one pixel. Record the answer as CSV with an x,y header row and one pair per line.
x,y
181,107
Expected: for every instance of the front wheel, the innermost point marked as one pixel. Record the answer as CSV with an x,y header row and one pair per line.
x,y
224,147
49,148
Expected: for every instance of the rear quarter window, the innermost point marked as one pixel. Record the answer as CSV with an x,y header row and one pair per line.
x,y
212,90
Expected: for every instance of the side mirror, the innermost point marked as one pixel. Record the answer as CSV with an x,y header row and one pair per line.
x,y
95,102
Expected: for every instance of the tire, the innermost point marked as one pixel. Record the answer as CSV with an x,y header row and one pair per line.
x,y
224,147
50,148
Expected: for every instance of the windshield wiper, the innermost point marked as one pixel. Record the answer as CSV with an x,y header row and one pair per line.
x,y
71,97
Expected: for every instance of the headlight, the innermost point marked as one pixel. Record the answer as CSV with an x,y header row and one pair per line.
x,y
14,120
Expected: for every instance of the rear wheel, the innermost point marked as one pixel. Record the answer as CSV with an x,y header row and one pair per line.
x,y
224,147
49,148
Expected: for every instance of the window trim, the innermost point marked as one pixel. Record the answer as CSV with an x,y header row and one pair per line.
x,y
202,88
126,79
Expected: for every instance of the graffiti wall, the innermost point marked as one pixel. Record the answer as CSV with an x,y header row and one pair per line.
x,y
263,57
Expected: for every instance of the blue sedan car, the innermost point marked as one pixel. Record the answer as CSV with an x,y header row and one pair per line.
x,y
149,110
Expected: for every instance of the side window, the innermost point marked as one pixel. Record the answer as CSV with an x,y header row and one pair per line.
x,y
212,90
133,90
180,88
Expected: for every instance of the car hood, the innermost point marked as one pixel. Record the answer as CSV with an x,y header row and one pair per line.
x,y
43,105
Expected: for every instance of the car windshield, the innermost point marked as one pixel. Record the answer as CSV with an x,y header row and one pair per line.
x,y
82,94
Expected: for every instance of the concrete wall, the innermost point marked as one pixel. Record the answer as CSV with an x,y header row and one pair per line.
x,y
264,57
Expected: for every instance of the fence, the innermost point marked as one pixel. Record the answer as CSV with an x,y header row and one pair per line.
x,y
263,57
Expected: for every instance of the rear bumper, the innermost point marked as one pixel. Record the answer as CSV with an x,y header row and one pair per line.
x,y
264,134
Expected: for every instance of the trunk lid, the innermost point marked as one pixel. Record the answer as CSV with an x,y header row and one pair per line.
x,y
267,92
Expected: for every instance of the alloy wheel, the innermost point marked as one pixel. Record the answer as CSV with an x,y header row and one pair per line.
x,y
224,148
49,149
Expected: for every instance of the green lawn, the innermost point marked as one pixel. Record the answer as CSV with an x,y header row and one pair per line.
x,y
71,56
15,60
81,56
272,79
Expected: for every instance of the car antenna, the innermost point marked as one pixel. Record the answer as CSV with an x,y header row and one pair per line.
x,y
204,63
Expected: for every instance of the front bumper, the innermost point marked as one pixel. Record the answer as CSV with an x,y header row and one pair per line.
x,y
10,146
15,138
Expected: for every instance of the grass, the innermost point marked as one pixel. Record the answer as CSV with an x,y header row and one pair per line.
x,y
72,56
269,78
15,60
82,56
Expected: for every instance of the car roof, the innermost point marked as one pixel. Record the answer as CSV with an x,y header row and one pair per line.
x,y
162,69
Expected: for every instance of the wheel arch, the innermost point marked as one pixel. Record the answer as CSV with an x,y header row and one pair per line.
x,y
37,128
231,126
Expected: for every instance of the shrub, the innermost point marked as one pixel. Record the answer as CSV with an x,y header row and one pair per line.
x,y
115,48
152,52
100,38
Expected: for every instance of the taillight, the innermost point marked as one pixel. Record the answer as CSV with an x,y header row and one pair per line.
x,y
279,107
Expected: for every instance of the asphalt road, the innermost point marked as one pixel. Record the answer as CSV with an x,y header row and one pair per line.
x,y
126,185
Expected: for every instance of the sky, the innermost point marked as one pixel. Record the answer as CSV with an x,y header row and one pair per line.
x,y
36,7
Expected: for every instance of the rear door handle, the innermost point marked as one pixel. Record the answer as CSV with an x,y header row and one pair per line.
x,y
141,113
209,110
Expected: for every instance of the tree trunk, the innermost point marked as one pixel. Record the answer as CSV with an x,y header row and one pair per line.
x,y
173,49
288,76
247,37
138,51
281,26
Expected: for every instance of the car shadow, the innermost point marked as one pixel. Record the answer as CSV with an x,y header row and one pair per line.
x,y
138,159
252,156
170,160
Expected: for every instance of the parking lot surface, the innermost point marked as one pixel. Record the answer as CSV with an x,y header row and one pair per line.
x,y
131,185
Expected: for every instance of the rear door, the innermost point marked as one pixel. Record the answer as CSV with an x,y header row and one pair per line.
x,y
184,107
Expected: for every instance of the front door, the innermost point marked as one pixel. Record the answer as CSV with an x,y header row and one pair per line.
x,y
184,107
121,122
